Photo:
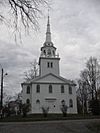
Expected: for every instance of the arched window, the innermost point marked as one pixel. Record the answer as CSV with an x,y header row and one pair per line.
x,y
49,52
53,52
38,88
62,88
70,89
44,52
27,101
50,88
28,90
37,101
63,102
70,103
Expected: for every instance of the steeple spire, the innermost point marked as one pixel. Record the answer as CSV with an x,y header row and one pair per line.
x,y
48,33
48,49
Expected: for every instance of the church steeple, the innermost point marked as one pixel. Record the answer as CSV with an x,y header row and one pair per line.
x,y
48,50
48,41
48,33
49,60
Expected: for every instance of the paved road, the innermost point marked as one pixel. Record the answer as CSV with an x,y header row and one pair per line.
x,y
69,126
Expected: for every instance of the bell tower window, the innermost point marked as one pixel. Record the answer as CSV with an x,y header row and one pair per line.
x,y
53,52
51,64
49,52
44,52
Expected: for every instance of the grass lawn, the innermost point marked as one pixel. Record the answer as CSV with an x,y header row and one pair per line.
x,y
40,117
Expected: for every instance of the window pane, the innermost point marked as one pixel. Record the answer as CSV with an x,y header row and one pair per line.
x,y
37,101
51,64
49,52
62,88
28,90
70,89
53,52
70,103
50,88
47,64
38,88
44,52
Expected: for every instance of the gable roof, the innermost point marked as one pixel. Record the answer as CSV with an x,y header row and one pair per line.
x,y
51,78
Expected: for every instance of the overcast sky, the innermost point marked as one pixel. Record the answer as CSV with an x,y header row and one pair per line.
x,y
75,28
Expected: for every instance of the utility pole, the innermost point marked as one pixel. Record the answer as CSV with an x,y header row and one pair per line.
x,y
1,104
1,91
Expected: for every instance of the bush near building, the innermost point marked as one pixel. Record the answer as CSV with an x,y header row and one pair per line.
x,y
94,107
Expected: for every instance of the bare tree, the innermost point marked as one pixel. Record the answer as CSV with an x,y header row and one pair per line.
x,y
82,96
32,72
91,76
88,84
25,11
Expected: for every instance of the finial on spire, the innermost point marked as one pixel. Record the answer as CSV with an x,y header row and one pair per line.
x,y
48,18
48,33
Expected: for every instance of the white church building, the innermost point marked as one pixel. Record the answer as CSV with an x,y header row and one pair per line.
x,y
49,89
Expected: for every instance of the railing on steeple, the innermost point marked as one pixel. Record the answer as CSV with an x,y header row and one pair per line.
x,y
53,56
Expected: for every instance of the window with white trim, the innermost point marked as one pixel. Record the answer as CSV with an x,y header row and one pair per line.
x,y
70,89
70,103
38,88
50,88
62,89
28,90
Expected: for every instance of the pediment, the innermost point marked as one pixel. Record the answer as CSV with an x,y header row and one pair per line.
x,y
50,78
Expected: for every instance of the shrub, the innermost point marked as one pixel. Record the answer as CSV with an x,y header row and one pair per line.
x,y
64,109
94,107
45,111
25,109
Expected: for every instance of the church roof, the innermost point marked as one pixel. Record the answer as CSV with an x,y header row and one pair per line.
x,y
50,78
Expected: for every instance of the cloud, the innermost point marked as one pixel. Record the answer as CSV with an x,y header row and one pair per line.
x,y
15,60
75,31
